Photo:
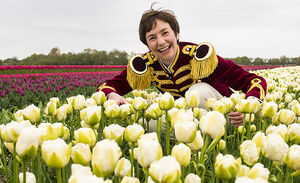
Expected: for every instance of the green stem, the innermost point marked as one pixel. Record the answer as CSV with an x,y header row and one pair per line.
x,y
4,161
182,173
158,128
58,175
167,135
243,134
146,175
39,166
248,127
287,174
24,170
131,160
203,150
16,166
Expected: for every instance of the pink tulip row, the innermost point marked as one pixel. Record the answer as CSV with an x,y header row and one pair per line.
x,y
64,67
259,67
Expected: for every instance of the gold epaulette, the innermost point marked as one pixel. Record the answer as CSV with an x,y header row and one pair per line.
x,y
204,61
138,73
103,86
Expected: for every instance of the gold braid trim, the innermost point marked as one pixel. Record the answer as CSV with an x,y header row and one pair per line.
x,y
203,67
103,86
138,80
256,83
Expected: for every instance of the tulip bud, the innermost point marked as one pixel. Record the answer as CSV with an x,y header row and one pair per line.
x,y
192,98
114,132
167,170
61,113
147,152
55,100
105,156
199,112
249,152
296,109
241,130
9,146
249,117
166,101
130,180
51,108
182,154
133,132
252,128
99,97
213,124
222,145
274,148
154,111
139,104
123,168
31,113
81,154
192,178
185,132
293,157
70,100
91,115
126,110
30,177
269,109
258,171
56,153
79,102
139,93
113,111
294,133
197,142
226,167
180,103
18,116
66,133
85,135
59,129
28,143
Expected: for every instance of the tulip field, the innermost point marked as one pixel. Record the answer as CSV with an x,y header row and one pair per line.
x,y
55,127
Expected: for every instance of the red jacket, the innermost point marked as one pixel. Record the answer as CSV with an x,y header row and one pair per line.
x,y
226,75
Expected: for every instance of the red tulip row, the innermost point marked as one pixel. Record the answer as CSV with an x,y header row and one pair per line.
x,y
64,67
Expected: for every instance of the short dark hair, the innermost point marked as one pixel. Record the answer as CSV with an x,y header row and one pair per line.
x,y
147,21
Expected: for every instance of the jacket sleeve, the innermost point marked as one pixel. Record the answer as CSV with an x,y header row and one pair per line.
x,y
234,76
117,84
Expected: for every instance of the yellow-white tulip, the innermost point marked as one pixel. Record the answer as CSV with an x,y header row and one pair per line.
x,y
180,103
139,93
109,103
18,116
185,132
294,133
91,115
55,100
192,98
90,102
81,154
259,139
181,115
166,101
219,106
182,154
197,142
258,171
79,102
236,97
296,109
130,180
99,97
285,116
154,112
32,113
139,104
280,130
147,152
243,171
123,168
249,117
269,109
228,104
59,129
293,157
11,131
85,135
51,108
28,143
47,132
226,166
105,156
192,178
56,153
166,170
84,174
114,132
249,152
61,113
30,177
133,132
274,148
70,101
113,111
210,103
126,110
213,124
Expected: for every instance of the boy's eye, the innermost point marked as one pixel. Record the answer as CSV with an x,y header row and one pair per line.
x,y
166,32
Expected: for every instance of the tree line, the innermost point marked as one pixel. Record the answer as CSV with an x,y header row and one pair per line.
x,y
94,57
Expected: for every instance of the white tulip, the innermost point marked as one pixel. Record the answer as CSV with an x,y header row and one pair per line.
x,y
123,168
294,133
133,132
293,157
274,148
47,132
11,131
166,101
197,142
226,166
192,178
91,115
181,115
213,124
30,177
109,103
81,154
249,152
139,104
185,131
79,102
130,180
105,156
180,103
258,171
167,170
85,135
182,154
99,97
84,174
113,111
114,132
192,98
32,113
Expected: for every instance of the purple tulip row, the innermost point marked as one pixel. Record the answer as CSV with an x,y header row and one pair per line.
x,y
47,82
64,67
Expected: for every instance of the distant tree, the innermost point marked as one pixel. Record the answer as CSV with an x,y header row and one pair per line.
x,y
258,61
54,52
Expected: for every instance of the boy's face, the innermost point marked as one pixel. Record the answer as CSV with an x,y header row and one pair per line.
x,y
162,41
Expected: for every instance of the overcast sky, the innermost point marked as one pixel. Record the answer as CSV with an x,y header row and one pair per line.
x,y
253,28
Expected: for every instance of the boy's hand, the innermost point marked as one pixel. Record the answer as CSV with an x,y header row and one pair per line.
x,y
236,118
118,98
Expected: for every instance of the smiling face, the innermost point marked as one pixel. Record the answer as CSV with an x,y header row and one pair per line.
x,y
162,41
